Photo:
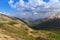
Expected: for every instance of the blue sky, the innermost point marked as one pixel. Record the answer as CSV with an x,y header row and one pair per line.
x,y
5,7
27,8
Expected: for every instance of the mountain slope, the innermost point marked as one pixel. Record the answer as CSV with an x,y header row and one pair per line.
x,y
14,29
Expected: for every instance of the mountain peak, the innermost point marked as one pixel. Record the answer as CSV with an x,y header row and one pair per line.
x,y
54,15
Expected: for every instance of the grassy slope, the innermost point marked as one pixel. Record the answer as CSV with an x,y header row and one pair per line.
x,y
20,31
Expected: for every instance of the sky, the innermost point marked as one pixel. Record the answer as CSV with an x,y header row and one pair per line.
x,y
29,8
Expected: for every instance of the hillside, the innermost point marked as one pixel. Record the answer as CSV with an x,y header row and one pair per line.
x,y
14,29
52,23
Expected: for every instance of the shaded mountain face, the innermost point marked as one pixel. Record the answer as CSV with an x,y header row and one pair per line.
x,y
51,22
54,16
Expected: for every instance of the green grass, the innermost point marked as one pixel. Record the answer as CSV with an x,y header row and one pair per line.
x,y
1,24
55,35
29,38
12,22
18,32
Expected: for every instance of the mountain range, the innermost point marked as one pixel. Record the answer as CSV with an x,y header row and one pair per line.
x,y
12,28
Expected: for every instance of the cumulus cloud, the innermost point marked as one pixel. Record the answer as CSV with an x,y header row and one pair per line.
x,y
31,4
11,3
35,8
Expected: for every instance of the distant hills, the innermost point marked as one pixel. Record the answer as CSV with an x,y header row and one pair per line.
x,y
55,16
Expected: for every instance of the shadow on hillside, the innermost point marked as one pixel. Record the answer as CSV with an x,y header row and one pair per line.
x,y
49,28
52,25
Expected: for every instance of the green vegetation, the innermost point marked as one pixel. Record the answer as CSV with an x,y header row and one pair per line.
x,y
55,35
1,24
29,38
12,22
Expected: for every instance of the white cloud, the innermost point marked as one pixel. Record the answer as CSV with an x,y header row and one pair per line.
x,y
54,0
34,6
3,13
0,12
35,13
31,4
11,3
